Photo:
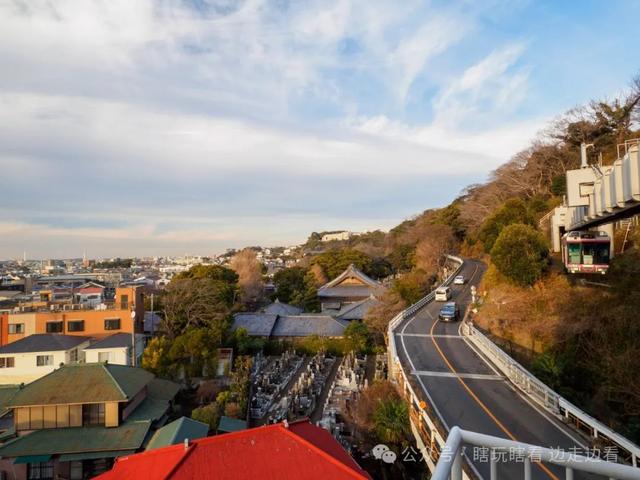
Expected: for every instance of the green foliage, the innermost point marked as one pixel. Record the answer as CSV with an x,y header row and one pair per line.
x,y
402,257
334,261
412,286
244,344
155,357
209,414
314,344
240,381
289,282
391,420
196,350
357,337
520,254
512,211
450,216
213,272
559,185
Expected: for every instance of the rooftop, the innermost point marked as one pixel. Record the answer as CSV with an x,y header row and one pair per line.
x,y
299,450
117,340
43,342
177,431
83,383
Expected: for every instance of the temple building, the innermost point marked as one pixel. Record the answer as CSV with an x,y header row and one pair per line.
x,y
350,294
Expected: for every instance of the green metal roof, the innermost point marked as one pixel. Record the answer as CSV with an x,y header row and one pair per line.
x,y
72,457
176,432
83,383
149,409
228,424
57,441
161,388
6,394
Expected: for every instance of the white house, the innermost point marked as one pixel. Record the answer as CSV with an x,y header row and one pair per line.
x,y
34,356
115,349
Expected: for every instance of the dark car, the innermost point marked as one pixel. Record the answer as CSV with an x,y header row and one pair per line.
x,y
449,312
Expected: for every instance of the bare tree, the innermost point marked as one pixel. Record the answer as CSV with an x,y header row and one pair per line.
x,y
249,270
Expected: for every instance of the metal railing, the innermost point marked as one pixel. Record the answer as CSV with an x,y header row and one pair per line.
x,y
443,464
547,398
451,458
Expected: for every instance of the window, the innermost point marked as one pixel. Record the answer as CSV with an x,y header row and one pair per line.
x,y
124,302
73,356
75,471
40,471
75,326
7,362
16,328
112,324
104,357
54,327
93,414
44,360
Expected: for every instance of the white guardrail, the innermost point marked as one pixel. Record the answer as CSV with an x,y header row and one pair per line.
x,y
426,430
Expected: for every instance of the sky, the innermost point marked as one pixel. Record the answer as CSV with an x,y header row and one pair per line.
x,y
140,128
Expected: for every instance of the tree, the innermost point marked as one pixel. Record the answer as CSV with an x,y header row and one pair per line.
x,y
289,282
437,241
194,303
520,254
377,318
512,211
357,337
196,350
391,420
209,414
155,357
249,270
336,261
212,272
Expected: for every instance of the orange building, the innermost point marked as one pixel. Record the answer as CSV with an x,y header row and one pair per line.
x,y
69,319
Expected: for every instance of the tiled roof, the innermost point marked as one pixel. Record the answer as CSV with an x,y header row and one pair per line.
x,y
281,308
256,324
356,310
53,441
43,342
305,325
340,287
117,340
300,450
84,383
177,431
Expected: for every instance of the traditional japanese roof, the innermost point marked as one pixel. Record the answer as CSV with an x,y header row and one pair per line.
x,y
299,450
357,310
351,283
177,431
84,383
43,342
256,324
305,325
281,308
55,441
117,340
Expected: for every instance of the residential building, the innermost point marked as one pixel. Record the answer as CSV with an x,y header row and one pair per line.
x,y
116,349
74,421
332,236
48,316
286,451
350,287
37,355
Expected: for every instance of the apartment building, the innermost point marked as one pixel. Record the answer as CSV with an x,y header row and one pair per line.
x,y
124,314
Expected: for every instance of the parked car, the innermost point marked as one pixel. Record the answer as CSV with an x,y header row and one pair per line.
x,y
442,294
449,312
459,280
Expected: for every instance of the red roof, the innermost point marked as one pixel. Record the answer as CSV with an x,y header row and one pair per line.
x,y
88,290
276,452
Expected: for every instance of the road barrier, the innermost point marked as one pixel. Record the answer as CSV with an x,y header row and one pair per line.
x,y
427,427
550,400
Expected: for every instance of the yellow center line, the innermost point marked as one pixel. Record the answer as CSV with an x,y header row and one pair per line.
x,y
480,402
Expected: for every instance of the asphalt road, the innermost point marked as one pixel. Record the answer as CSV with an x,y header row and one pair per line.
x,y
466,390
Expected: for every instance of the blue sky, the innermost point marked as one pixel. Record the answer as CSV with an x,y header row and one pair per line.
x,y
166,127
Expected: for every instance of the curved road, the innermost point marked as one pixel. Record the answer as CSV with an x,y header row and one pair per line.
x,y
466,390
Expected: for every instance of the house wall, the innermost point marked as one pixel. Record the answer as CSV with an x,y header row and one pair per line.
x,y
49,416
111,414
118,356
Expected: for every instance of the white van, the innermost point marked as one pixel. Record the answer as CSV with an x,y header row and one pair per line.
x,y
443,294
